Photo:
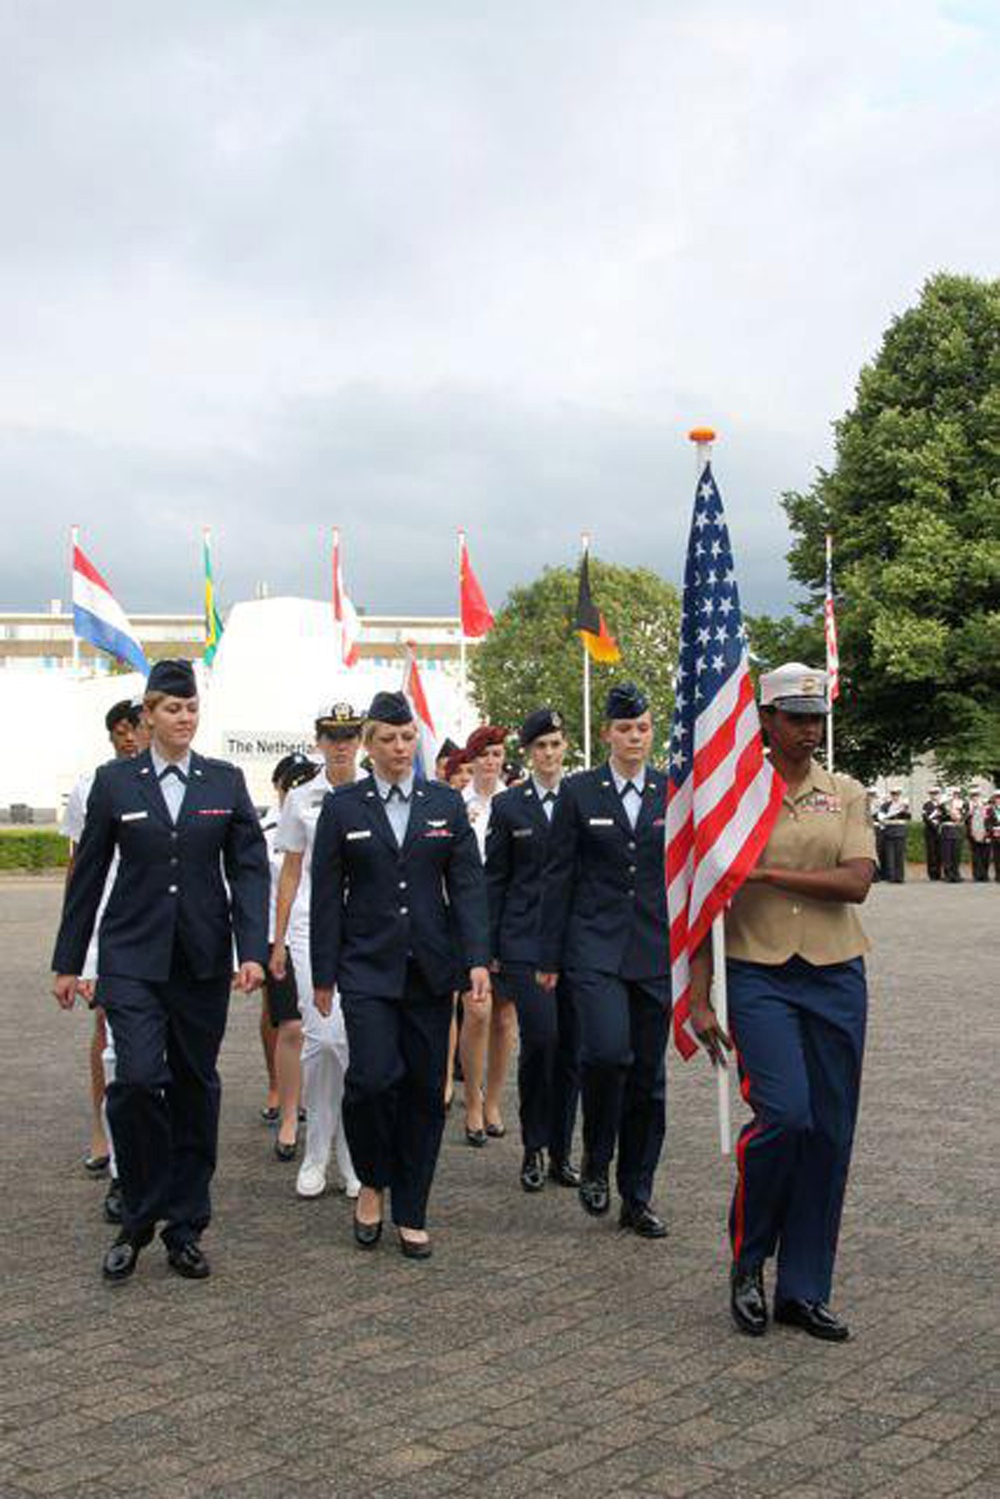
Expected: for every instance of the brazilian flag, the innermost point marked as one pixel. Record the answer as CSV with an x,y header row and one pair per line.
x,y
213,620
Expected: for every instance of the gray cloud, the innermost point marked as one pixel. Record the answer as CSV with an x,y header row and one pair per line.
x,y
408,268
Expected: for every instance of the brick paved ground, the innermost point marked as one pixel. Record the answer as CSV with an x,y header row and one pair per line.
x,y
538,1353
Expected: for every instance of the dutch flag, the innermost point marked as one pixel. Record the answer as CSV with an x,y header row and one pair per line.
x,y
98,617
413,689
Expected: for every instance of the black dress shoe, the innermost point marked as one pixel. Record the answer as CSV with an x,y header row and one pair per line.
x,y
563,1173
640,1219
814,1318
367,1235
283,1151
96,1165
747,1301
595,1196
188,1261
113,1202
414,1249
532,1171
123,1256
496,1131
476,1137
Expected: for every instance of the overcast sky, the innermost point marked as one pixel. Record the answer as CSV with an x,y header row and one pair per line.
x,y
409,266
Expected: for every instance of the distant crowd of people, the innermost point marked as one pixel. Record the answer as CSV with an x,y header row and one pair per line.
x,y
950,816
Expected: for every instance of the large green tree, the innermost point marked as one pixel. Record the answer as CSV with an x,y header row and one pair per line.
x,y
913,504
532,656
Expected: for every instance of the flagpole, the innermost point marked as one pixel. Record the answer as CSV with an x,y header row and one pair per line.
x,y
74,541
829,594
585,547
462,660
703,438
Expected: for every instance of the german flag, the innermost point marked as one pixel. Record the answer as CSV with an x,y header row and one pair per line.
x,y
589,623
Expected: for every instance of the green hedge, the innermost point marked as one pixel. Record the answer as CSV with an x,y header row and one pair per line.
x,y
915,845
33,848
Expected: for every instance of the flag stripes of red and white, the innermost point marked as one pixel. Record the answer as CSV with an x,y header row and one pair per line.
x,y
344,611
723,794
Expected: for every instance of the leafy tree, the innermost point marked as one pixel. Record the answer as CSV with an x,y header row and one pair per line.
x,y
532,656
913,503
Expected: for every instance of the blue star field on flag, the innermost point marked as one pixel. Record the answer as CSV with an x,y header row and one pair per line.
x,y
712,634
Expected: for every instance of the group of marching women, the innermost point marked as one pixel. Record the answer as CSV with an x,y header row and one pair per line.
x,y
392,919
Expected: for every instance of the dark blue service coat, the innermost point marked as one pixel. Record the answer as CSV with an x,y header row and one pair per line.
x,y
374,904
604,902
517,842
169,888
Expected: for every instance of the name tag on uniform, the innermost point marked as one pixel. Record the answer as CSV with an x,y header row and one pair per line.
x,y
360,833
437,822
601,822
215,811
133,816
524,832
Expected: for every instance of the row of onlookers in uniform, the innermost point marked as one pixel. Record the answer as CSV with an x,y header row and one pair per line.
x,y
952,819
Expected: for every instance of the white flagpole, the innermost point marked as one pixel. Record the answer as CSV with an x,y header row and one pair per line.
x,y
462,661
829,594
585,545
703,438
74,538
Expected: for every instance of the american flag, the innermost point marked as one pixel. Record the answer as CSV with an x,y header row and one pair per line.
x,y
722,794
830,626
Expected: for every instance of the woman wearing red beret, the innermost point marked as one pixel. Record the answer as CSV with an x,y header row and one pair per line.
x,y
494,1026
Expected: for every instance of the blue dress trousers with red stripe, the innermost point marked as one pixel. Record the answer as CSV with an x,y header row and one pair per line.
x,y
799,1031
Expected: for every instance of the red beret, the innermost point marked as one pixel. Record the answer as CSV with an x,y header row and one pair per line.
x,y
483,738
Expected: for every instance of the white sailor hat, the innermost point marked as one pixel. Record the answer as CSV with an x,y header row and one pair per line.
x,y
794,688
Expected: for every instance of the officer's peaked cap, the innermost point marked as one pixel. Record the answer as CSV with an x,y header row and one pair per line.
x,y
794,688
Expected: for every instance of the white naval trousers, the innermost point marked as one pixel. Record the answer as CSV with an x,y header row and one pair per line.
x,y
324,1066
108,1063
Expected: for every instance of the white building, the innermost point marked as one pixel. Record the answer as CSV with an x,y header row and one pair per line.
x,y
277,667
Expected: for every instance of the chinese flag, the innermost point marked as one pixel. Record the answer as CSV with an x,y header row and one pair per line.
x,y
477,618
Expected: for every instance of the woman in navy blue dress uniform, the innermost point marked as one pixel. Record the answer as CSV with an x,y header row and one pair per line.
x,y
398,922
797,1005
192,878
548,1076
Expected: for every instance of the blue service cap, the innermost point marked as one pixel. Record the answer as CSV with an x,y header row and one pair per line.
x,y
174,677
542,721
390,707
625,701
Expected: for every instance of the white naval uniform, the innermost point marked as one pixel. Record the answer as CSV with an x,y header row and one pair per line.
x,y
324,1037
72,824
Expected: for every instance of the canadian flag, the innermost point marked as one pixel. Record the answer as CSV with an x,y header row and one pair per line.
x,y
344,611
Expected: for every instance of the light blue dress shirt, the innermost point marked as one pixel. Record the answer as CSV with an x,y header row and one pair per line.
x,y
548,807
397,808
173,789
632,800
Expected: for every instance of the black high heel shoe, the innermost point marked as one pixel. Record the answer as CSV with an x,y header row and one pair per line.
x,y
366,1235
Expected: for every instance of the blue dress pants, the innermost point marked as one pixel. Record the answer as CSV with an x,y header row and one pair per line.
x,y
548,1068
163,1106
624,1026
394,1091
799,1031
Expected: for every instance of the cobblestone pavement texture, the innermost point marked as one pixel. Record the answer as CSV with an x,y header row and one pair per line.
x,y
538,1352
